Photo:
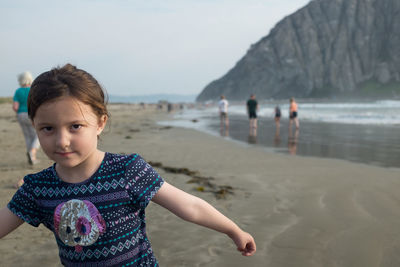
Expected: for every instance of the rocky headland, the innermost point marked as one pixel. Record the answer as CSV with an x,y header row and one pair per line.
x,y
329,48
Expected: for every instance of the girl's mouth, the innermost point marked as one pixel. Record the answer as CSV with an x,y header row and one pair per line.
x,y
64,154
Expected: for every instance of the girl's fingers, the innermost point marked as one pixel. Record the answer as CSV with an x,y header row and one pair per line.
x,y
248,250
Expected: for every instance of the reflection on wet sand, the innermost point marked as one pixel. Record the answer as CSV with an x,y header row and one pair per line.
x,y
224,131
277,138
292,142
371,144
224,125
252,139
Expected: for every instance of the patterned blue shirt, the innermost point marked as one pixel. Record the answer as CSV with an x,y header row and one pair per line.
x,y
99,222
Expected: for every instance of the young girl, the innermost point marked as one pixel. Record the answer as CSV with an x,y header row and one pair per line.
x,y
94,201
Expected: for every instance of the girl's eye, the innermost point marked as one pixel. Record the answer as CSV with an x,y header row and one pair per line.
x,y
76,126
47,129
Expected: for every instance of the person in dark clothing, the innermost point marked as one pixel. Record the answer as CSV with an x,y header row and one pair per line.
x,y
252,108
277,116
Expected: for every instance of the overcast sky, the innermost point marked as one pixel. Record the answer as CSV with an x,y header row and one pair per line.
x,y
134,47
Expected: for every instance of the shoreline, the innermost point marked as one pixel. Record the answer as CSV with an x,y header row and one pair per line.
x,y
302,211
359,143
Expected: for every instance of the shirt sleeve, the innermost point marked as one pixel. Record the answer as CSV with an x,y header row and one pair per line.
x,y
15,98
143,181
24,205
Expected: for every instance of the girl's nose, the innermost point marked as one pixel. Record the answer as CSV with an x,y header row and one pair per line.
x,y
62,140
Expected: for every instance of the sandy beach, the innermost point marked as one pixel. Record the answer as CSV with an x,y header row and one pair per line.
x,y
302,211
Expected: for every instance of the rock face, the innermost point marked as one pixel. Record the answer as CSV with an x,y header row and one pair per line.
x,y
327,48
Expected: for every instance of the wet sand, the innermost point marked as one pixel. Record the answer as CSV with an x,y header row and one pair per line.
x,y
370,144
302,211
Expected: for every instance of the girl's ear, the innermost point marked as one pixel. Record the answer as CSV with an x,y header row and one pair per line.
x,y
102,123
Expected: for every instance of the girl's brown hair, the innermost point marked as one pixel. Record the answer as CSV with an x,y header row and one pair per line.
x,y
67,81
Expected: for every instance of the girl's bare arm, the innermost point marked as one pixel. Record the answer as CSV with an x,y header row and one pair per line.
x,y
196,210
8,222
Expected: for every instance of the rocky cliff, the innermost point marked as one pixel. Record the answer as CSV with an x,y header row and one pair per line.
x,y
326,49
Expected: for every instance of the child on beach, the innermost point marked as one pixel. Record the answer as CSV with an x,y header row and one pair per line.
x,y
93,201
277,113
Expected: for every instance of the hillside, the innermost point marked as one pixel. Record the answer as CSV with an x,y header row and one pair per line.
x,y
329,48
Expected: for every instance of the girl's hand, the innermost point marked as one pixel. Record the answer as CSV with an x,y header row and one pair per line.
x,y
196,210
245,243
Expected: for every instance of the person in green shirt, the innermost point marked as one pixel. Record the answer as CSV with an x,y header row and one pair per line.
x,y
20,100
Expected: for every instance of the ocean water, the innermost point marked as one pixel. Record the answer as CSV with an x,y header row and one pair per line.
x,y
384,112
364,132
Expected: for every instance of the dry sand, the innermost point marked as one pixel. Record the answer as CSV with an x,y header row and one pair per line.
x,y
301,211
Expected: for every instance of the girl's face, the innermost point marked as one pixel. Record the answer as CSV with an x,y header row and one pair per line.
x,y
67,130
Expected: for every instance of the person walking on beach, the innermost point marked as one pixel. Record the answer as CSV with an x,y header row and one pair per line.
x,y
94,201
252,108
223,113
20,107
293,114
277,112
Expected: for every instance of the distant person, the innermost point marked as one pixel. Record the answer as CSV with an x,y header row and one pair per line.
x,y
223,112
252,108
20,107
169,107
277,112
293,114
